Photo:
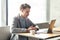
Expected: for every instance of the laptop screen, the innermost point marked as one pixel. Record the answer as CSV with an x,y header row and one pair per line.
x,y
51,26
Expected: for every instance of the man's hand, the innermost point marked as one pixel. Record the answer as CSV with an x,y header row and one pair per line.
x,y
32,28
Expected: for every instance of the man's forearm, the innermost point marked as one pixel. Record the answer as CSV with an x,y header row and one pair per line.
x,y
14,30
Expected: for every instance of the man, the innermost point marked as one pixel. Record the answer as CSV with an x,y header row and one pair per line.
x,y
21,23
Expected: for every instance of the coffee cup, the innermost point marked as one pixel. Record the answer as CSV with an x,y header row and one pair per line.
x,y
32,32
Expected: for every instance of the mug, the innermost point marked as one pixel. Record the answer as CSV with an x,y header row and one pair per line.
x,y
32,32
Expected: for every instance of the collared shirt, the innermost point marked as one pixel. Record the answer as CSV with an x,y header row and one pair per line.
x,y
25,22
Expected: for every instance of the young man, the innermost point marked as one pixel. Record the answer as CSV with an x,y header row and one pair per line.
x,y
21,23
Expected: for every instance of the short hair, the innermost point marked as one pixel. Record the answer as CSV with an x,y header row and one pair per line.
x,y
24,6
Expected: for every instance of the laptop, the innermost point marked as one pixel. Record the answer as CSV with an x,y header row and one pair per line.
x,y
50,28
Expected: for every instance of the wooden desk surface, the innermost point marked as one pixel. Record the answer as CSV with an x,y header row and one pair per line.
x,y
40,35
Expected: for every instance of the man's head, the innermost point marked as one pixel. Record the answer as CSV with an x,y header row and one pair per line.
x,y
25,9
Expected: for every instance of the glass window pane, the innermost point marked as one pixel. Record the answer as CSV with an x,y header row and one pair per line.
x,y
0,12
38,10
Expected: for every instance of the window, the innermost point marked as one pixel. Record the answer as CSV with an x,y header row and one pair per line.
x,y
0,12
37,14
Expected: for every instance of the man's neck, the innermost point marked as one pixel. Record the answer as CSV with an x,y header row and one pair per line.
x,y
22,16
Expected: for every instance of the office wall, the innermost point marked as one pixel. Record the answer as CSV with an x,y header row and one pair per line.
x,y
55,11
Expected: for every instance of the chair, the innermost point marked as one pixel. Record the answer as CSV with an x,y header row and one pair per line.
x,y
5,33
43,25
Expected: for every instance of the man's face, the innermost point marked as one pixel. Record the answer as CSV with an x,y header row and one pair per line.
x,y
25,12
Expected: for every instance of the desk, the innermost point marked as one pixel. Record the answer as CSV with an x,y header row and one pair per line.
x,y
43,36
